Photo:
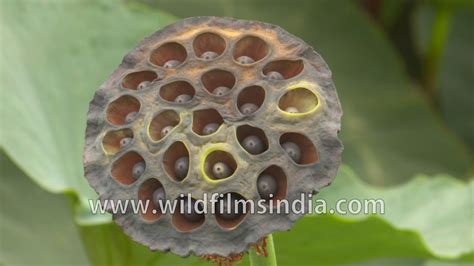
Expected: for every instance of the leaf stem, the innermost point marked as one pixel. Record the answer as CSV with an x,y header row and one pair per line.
x,y
269,260
435,51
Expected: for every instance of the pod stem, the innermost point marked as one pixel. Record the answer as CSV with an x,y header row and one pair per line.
x,y
263,256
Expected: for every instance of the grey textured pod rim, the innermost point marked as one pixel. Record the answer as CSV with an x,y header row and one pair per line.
x,y
210,239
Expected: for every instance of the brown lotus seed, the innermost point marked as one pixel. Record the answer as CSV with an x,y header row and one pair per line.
x,y
221,170
138,169
220,91
273,75
292,150
183,98
210,128
125,141
267,186
291,109
228,210
181,167
209,55
158,196
171,64
190,212
130,117
248,108
143,85
165,131
245,60
253,144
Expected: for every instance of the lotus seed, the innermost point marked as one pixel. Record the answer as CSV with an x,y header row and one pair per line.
x,y
166,130
220,91
293,150
143,85
273,75
183,98
130,117
245,60
291,109
209,55
221,170
125,141
228,208
253,144
138,169
158,196
171,64
210,128
181,167
248,108
266,185
192,216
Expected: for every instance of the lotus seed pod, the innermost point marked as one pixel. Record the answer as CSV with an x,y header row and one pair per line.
x,y
221,170
253,144
292,109
171,64
220,91
267,186
245,60
165,131
181,167
248,108
138,169
159,196
143,85
183,98
130,117
273,75
210,128
297,153
209,55
125,141
293,150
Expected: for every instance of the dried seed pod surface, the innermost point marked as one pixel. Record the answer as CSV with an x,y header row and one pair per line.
x,y
209,105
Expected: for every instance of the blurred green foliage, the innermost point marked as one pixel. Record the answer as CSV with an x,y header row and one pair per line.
x,y
55,54
30,235
456,67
